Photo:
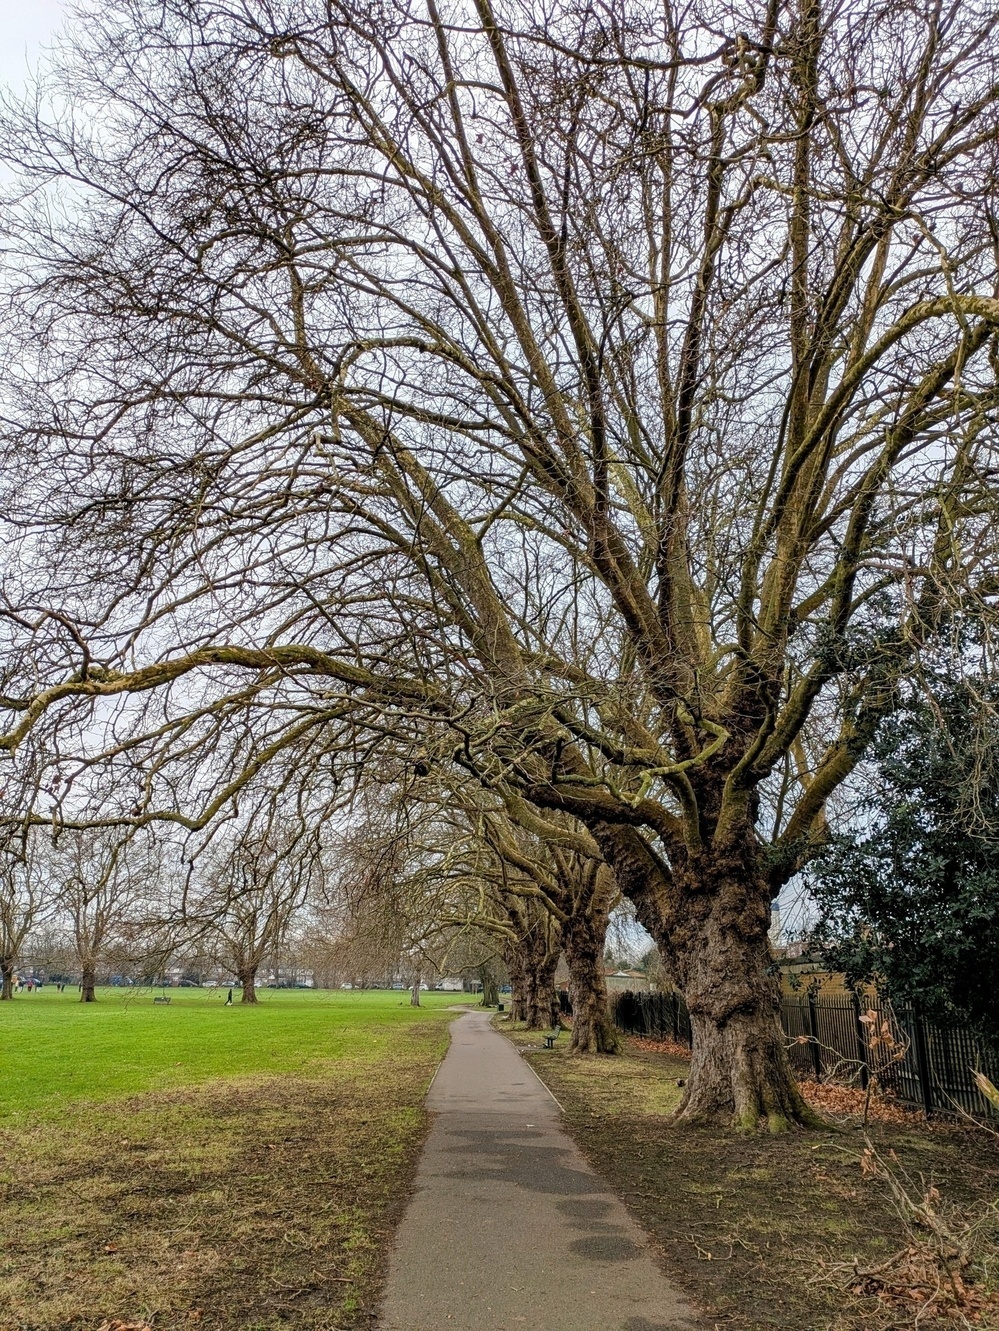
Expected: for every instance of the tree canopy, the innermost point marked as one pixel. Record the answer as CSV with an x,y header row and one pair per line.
x,y
598,400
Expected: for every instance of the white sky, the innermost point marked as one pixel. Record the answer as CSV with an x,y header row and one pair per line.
x,y
25,27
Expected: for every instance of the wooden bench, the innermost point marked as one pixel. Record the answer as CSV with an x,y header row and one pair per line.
x,y
552,1036
163,999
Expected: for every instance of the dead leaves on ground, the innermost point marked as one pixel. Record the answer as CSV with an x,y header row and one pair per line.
x,y
670,1048
943,1270
848,1102
912,1281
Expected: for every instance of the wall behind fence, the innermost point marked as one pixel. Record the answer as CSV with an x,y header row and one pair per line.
x,y
845,1040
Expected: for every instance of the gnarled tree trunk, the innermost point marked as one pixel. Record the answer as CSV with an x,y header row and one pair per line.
x,y
248,980
583,938
710,918
739,1063
88,985
490,986
515,966
532,975
541,1007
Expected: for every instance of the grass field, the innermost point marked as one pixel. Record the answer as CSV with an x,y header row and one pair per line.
x,y
55,1049
192,1165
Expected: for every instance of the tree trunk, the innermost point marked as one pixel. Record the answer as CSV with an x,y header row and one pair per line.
x,y
6,980
88,984
710,921
414,993
593,1031
518,1006
739,1067
248,980
490,987
540,1002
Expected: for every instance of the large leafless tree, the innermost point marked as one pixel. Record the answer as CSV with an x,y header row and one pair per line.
x,y
609,388
108,890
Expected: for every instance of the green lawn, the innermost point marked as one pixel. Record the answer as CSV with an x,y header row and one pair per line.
x,y
229,1169
55,1049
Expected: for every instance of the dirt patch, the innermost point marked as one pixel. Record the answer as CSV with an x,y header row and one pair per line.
x,y
242,1206
767,1234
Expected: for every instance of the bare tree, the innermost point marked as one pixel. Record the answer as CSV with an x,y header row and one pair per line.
x,y
23,899
565,876
105,887
612,390
251,880
26,890
595,893
432,875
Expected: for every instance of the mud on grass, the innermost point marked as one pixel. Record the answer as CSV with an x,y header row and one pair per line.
x,y
250,1205
754,1228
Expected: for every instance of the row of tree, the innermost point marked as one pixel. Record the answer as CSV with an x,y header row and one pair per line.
x,y
402,887
96,905
575,423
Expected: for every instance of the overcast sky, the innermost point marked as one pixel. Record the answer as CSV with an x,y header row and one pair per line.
x,y
25,27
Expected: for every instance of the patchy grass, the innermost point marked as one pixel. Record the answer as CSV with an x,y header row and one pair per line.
x,y
235,1203
764,1233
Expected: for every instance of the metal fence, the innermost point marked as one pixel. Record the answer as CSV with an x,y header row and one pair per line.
x,y
849,1040
656,1016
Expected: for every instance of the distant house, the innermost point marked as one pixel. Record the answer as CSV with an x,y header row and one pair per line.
x,y
802,969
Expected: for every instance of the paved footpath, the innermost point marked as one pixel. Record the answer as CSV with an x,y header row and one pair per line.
x,y
509,1228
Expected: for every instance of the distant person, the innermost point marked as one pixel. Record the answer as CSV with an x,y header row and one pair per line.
x,y
228,1001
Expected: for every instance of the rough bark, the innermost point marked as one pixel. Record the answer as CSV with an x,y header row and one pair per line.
x,y
541,1007
490,987
248,981
6,980
88,985
532,975
414,993
710,918
593,1031
739,1063
518,1007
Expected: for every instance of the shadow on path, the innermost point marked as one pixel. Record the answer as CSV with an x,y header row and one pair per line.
x,y
509,1228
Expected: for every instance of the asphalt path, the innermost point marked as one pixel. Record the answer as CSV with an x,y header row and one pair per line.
x,y
509,1229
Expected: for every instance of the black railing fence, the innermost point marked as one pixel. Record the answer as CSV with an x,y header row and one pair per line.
x,y
656,1016
849,1040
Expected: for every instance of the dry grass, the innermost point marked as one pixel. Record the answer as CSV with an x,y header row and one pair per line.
x,y
766,1234
233,1206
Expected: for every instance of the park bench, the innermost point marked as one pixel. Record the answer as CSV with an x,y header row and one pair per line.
x,y
552,1035
162,999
